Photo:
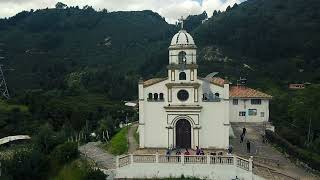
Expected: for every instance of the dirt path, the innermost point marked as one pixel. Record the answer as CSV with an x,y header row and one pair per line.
x,y
133,145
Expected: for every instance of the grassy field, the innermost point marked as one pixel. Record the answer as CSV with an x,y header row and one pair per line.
x,y
119,143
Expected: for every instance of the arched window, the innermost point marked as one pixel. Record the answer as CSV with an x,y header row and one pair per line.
x,y
182,76
161,96
182,57
150,96
155,96
216,95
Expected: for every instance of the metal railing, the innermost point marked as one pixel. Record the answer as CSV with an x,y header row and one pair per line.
x,y
233,160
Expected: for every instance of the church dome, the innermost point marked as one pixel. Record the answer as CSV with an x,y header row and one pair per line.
x,y
182,38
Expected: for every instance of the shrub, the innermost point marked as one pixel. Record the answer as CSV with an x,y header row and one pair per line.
x,y
65,153
95,174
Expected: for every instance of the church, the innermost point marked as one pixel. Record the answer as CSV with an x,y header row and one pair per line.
x,y
183,110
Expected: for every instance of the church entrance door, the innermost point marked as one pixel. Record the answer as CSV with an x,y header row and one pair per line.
x,y
183,134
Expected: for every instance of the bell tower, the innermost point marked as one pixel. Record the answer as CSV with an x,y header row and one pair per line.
x,y
182,57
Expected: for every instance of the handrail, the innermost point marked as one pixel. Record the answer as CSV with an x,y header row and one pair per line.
x,y
237,161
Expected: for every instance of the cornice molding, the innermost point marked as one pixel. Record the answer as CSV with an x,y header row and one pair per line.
x,y
182,107
194,85
185,66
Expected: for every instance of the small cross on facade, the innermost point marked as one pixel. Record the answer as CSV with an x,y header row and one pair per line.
x,y
181,21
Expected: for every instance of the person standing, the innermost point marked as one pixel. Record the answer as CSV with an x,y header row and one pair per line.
x,y
244,130
178,154
230,149
241,138
248,146
197,150
168,154
187,154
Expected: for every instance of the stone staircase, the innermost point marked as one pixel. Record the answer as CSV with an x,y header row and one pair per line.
x,y
268,162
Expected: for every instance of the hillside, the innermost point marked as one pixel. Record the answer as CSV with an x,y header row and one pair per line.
x,y
272,43
47,46
73,68
278,38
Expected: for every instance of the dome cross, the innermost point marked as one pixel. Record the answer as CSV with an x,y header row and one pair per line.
x,y
181,21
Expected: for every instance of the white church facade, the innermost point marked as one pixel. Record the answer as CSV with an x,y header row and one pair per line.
x,y
185,111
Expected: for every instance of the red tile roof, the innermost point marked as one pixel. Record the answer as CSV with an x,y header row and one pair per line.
x,y
153,81
245,92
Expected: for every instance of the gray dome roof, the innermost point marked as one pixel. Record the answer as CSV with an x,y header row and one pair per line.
x,y
182,38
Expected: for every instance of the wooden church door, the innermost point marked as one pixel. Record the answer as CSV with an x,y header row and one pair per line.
x,y
183,134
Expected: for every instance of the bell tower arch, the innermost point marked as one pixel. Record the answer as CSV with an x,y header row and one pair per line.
x,y
182,57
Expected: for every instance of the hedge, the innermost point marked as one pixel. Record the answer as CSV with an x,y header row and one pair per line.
x,y
310,158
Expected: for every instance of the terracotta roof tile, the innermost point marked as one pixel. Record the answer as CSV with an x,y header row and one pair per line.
x,y
245,92
152,81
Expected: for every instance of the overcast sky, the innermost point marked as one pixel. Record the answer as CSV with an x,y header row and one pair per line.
x,y
170,9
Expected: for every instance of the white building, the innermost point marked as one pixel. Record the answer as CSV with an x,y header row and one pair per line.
x,y
183,110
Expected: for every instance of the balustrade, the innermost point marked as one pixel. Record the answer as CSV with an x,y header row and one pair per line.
x,y
123,160
242,163
146,158
169,159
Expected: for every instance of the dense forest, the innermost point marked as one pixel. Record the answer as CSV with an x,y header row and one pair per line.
x,y
70,69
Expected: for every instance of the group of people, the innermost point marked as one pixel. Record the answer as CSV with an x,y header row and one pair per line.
x,y
199,151
242,136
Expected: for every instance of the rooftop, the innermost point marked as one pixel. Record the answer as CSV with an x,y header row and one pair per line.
x,y
153,81
245,92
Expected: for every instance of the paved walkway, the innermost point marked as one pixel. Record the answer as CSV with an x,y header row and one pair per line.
x,y
102,158
133,145
260,149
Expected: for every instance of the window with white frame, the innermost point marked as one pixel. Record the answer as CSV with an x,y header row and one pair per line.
x,y
262,114
235,101
256,101
242,113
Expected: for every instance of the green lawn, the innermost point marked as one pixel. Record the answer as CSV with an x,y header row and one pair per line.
x,y
119,143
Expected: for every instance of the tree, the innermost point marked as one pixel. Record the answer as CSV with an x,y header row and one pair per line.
x,y
27,165
65,152
47,139
60,5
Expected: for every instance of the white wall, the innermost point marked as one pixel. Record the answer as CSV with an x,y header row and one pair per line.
x,y
245,105
212,119
155,131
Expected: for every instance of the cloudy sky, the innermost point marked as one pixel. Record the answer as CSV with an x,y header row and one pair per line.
x,y
170,9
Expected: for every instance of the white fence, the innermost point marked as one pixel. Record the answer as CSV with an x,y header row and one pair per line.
x,y
242,163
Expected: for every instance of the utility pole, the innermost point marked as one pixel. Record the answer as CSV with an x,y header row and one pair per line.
x,y
3,85
309,131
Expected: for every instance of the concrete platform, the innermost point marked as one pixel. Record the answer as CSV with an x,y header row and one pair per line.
x,y
159,170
